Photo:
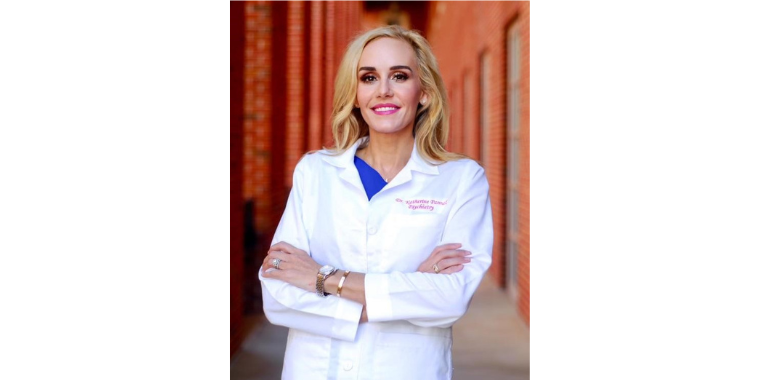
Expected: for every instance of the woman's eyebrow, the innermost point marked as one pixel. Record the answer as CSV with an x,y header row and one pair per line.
x,y
369,68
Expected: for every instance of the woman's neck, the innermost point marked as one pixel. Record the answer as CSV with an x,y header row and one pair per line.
x,y
387,154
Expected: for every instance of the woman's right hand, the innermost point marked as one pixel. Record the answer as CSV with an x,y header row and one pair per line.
x,y
448,258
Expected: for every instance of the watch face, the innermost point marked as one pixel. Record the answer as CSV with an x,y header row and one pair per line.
x,y
327,269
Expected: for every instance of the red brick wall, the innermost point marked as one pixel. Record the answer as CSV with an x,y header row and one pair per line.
x,y
317,79
258,106
278,192
482,28
266,117
287,55
471,129
329,68
295,139
456,119
292,53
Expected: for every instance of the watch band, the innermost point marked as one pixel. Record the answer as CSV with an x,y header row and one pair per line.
x,y
321,282
320,285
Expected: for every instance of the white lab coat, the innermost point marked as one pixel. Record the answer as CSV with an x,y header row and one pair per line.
x,y
410,313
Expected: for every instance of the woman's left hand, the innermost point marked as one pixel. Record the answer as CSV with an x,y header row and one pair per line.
x,y
446,258
296,266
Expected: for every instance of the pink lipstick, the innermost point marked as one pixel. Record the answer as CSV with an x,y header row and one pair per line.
x,y
385,109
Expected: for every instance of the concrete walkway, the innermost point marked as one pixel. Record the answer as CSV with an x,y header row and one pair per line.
x,y
490,342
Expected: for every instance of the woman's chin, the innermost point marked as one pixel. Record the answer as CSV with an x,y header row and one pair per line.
x,y
389,129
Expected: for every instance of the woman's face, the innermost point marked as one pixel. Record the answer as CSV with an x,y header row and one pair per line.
x,y
389,87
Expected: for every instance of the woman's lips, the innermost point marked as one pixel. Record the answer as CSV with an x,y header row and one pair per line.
x,y
385,110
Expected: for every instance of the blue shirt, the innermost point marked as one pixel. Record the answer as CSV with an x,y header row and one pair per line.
x,y
371,179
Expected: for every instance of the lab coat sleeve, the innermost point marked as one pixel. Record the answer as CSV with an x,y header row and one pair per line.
x,y
290,306
439,300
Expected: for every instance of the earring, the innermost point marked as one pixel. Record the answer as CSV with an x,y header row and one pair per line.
x,y
422,102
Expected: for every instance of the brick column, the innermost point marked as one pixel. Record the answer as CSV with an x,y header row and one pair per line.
x,y
258,106
329,71
341,29
295,99
258,186
316,76
280,100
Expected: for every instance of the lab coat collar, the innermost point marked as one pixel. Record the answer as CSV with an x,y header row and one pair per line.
x,y
351,175
346,159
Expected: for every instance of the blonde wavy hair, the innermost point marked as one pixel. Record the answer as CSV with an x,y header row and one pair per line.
x,y
431,124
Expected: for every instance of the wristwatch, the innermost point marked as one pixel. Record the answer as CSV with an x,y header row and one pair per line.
x,y
324,272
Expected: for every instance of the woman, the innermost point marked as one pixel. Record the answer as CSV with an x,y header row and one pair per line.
x,y
384,238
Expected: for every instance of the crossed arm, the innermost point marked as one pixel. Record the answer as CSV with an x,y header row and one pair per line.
x,y
297,268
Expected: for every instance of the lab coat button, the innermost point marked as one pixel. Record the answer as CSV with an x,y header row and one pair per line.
x,y
348,365
371,230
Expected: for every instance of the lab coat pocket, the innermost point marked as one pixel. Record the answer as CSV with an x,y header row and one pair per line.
x,y
411,239
412,356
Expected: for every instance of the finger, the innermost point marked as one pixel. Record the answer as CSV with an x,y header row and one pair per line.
x,y
454,269
455,253
279,255
285,262
271,273
281,246
445,247
435,267
269,262
284,247
443,264
425,268
268,265
265,265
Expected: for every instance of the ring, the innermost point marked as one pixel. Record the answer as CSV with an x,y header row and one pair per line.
x,y
276,263
436,269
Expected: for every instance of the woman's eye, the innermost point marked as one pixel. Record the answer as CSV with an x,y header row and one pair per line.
x,y
398,77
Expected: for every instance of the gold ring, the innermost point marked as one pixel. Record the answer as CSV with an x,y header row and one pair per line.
x,y
436,269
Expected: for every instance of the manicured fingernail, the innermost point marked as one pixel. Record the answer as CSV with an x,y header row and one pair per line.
x,y
468,253
467,260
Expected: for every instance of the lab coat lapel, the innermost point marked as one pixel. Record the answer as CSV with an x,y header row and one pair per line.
x,y
416,163
404,176
351,175
345,164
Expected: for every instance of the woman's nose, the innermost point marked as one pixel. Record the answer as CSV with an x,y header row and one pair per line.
x,y
384,89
